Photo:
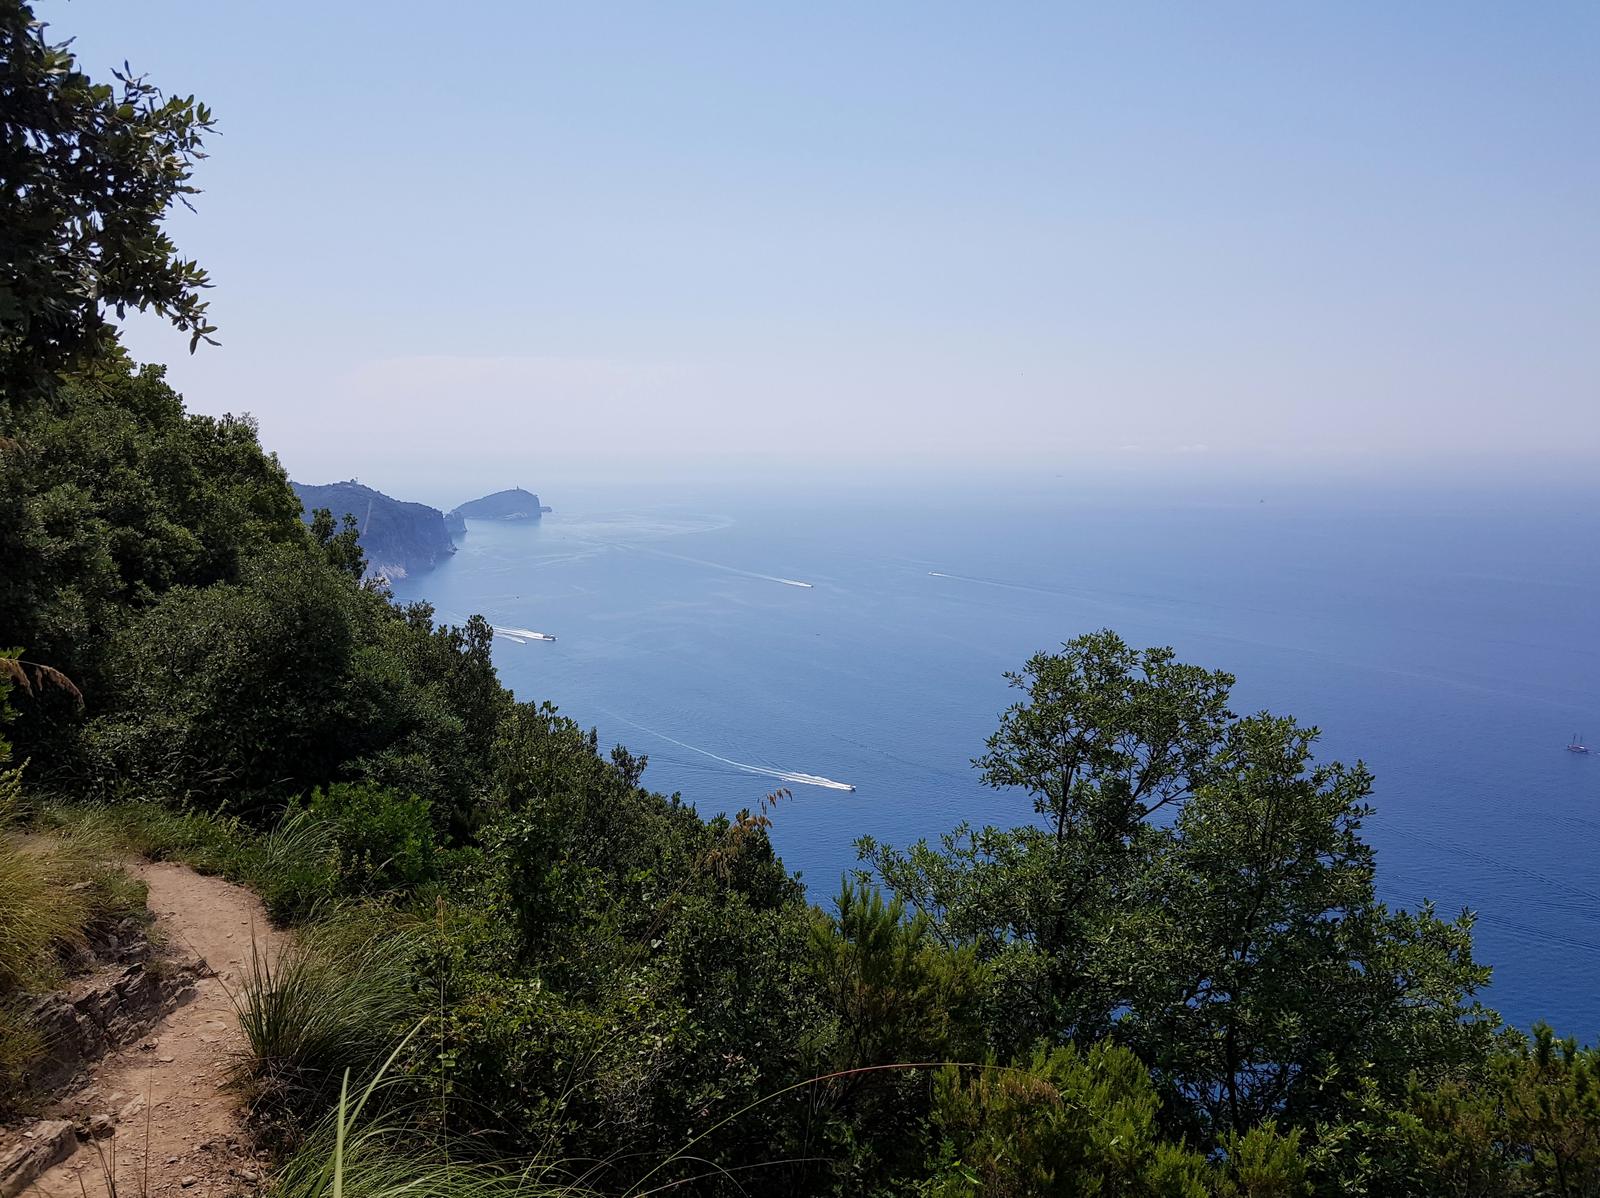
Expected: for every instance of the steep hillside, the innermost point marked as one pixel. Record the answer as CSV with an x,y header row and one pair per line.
x,y
398,538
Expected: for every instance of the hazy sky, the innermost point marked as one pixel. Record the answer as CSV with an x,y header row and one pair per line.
x,y
523,238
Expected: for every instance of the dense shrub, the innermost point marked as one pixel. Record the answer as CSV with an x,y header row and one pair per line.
x,y
383,839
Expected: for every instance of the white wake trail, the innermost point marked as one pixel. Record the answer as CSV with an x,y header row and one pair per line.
x,y
699,561
794,777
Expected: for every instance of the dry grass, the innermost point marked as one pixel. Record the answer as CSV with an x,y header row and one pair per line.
x,y
32,677
53,892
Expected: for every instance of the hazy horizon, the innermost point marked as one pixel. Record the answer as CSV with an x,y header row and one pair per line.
x,y
546,243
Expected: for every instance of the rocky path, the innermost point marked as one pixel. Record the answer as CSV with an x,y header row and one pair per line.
x,y
166,1122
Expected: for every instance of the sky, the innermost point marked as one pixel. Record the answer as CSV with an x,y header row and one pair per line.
x,y
514,242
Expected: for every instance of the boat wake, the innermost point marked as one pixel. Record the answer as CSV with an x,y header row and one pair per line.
x,y
793,777
995,582
696,561
521,635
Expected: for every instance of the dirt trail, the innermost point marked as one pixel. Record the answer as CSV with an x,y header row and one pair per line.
x,y
178,1130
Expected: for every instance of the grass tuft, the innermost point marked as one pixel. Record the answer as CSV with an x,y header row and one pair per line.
x,y
333,999
353,1154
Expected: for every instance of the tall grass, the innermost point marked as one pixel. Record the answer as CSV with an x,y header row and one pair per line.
x,y
331,1000
352,1154
53,892
293,867
39,915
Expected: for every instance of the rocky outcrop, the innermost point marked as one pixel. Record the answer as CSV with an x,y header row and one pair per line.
x,y
399,538
40,1146
113,1009
125,990
515,504
128,991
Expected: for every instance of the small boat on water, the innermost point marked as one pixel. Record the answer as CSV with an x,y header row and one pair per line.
x,y
1576,745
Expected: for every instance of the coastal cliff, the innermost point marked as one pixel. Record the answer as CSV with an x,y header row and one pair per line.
x,y
399,538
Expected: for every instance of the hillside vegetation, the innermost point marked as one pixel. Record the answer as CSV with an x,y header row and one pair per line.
x,y
1158,967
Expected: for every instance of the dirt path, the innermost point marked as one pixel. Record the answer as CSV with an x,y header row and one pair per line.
x,y
178,1130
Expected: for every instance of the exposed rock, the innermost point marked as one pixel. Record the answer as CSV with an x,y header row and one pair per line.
x,y
42,1145
102,1014
101,1126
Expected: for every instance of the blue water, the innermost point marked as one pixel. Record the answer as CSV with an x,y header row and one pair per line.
x,y
1449,639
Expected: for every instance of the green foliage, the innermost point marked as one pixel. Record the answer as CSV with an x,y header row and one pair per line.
x,y
895,993
1261,1163
1523,1121
1265,977
294,866
110,496
1237,947
621,973
383,839
1108,735
1067,1122
363,1149
91,170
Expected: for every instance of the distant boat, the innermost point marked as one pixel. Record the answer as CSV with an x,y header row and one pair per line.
x,y
1576,745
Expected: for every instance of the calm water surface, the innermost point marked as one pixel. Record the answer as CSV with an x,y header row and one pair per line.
x,y
1452,641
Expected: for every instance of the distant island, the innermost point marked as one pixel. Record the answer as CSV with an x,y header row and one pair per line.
x,y
399,538
514,504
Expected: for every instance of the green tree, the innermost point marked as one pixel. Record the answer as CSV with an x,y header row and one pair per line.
x,y
88,173
1523,1120
1262,976
113,495
1236,944
1108,734
896,993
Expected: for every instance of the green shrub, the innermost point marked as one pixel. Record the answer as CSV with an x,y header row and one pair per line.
x,y
383,839
362,1153
1066,1122
294,867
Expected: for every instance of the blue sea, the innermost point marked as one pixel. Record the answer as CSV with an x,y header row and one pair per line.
x,y
1449,636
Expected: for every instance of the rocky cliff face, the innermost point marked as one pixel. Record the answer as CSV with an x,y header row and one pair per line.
x,y
398,538
515,504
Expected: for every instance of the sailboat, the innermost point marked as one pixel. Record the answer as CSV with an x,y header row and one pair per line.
x,y
1576,745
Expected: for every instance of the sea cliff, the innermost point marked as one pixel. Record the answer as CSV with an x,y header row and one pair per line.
x,y
399,538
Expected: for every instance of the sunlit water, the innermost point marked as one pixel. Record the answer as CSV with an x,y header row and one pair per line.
x,y
1451,641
